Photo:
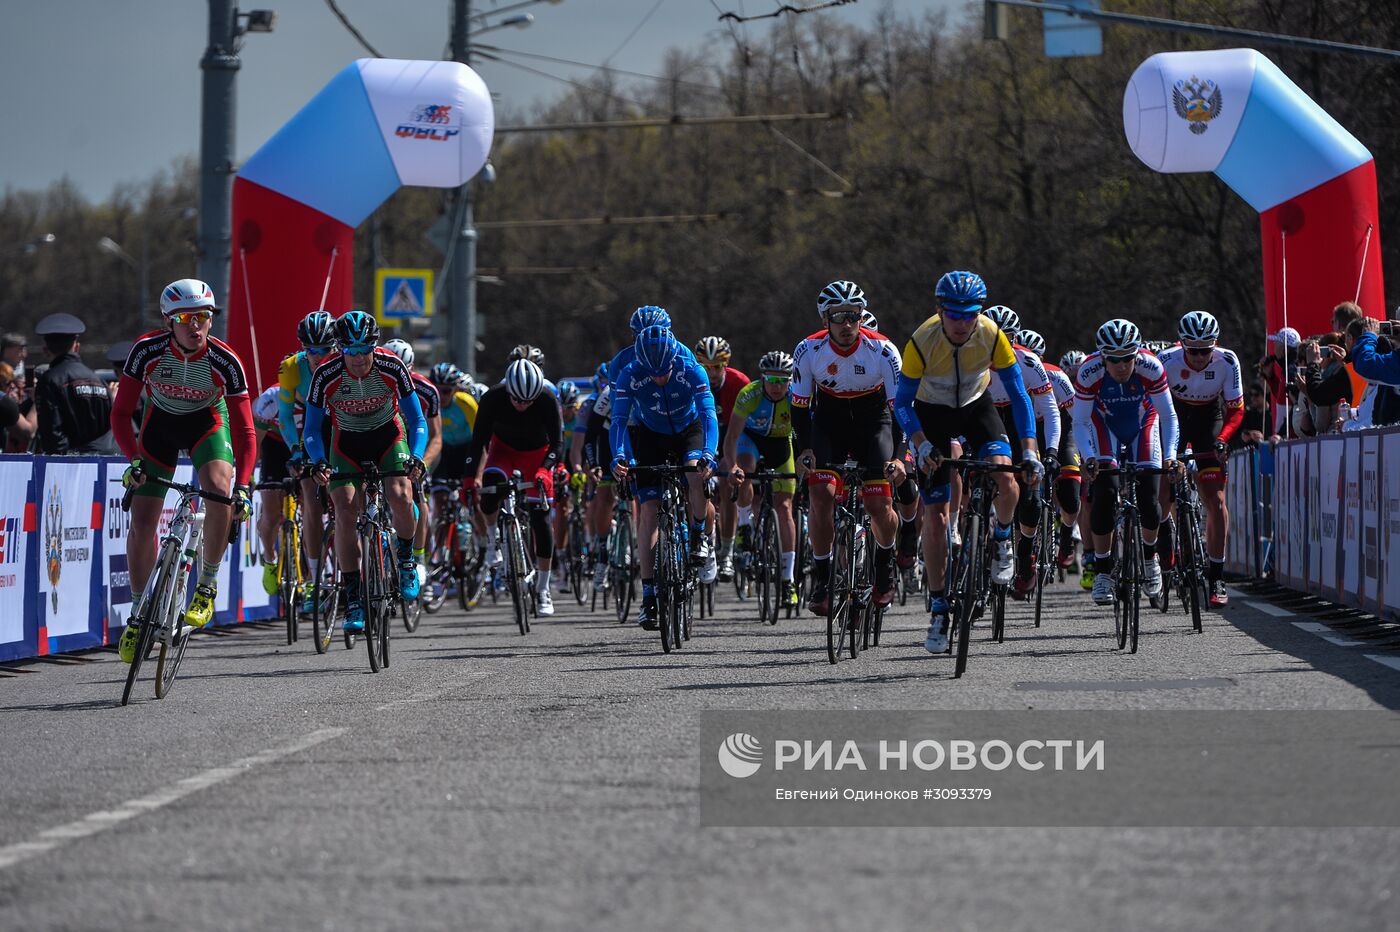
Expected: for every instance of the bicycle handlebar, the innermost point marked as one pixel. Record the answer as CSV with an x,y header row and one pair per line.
x,y
183,488
982,465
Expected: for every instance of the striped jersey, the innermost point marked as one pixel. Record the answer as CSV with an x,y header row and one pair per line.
x,y
180,383
360,405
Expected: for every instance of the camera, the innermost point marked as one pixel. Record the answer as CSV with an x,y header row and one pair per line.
x,y
1386,328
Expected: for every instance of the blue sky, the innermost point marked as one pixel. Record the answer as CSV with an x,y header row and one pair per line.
x,y
108,91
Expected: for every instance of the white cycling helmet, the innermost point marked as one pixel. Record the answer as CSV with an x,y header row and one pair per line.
x,y
524,380
840,293
1033,342
1118,337
1198,327
1005,318
868,321
187,294
1071,360
401,349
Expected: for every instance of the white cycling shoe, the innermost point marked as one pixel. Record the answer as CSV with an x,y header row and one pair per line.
x,y
1152,578
1004,563
544,604
1103,589
709,572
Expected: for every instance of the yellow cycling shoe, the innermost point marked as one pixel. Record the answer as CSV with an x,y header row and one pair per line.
x,y
201,610
126,647
272,579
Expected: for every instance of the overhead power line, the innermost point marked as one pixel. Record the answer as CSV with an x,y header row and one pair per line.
x,y
598,221
676,120
554,77
635,29
785,8
579,64
345,21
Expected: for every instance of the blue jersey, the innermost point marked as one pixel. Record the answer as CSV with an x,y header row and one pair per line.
x,y
662,409
1108,412
629,352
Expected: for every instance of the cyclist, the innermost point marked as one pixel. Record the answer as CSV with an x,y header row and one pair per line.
x,y
670,396
273,457
375,417
536,356
1047,418
943,395
518,428
843,385
725,384
1208,394
316,334
1067,479
760,436
569,468
1121,397
430,402
597,453
1069,364
196,399
458,409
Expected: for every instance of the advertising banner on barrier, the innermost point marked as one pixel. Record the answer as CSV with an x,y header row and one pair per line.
x,y
116,525
66,502
1351,518
256,602
1390,520
16,537
1330,514
1370,516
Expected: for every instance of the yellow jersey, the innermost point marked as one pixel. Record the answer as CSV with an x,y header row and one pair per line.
x,y
952,375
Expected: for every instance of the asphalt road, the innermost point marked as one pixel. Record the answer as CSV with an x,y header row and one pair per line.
x,y
489,780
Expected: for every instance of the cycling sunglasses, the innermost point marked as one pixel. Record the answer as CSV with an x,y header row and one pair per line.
x,y
961,315
777,379
843,317
1199,350
1120,359
319,350
357,350
192,317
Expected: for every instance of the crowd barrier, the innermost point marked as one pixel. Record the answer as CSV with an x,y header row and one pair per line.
x,y
1322,518
63,577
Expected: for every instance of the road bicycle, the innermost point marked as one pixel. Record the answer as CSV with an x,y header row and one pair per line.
x,y
675,571
517,568
290,572
766,565
1188,571
161,617
851,614
621,549
1128,556
969,584
325,607
382,597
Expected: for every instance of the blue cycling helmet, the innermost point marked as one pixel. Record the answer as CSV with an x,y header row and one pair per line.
x,y
656,349
568,393
356,329
649,315
601,376
961,291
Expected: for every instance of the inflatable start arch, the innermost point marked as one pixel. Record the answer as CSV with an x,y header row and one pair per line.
x,y
1234,113
378,125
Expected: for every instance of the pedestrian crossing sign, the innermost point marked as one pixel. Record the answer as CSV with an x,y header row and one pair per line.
x,y
402,294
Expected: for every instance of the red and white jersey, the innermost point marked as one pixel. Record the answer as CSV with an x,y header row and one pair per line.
x,y
182,383
1041,390
360,405
1062,385
1220,378
1138,412
869,365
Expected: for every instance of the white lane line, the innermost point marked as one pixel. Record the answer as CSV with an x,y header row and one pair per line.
x,y
1269,608
1392,662
437,693
91,824
1326,634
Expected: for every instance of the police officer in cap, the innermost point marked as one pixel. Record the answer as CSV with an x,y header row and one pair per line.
x,y
75,411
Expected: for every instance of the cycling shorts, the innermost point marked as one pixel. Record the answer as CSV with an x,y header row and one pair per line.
x,y
773,453
452,463
976,425
272,458
384,446
1200,427
652,449
504,459
858,428
204,433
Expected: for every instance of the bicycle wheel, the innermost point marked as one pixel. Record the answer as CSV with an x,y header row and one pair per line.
x,y
802,558
1044,555
577,558
999,614
663,560
769,563
1134,594
1192,570
838,608
620,556
325,608
154,611
376,594
287,546
967,575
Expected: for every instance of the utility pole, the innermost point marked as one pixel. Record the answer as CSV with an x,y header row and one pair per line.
x,y
220,65
462,329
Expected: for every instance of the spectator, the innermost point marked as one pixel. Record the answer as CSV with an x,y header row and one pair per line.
x,y
1375,360
75,411
1343,314
1256,417
14,349
18,431
1326,382
1280,370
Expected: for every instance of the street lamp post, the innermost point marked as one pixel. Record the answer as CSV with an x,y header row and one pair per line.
x,y
462,324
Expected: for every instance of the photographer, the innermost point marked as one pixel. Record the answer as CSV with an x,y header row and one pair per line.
x,y
1280,371
1326,382
1375,360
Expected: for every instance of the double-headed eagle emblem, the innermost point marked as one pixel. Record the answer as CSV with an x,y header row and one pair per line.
x,y
1197,102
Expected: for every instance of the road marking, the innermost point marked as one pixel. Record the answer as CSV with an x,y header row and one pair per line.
x,y
1392,662
434,693
95,822
1324,632
1269,608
